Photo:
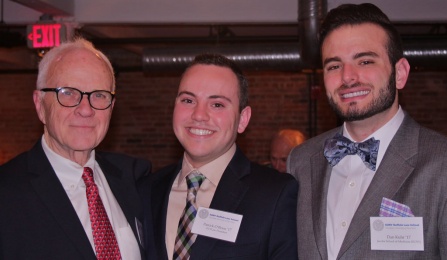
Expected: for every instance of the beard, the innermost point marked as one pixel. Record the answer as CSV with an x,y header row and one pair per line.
x,y
379,104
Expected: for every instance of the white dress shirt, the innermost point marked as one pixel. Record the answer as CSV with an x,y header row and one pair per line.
x,y
70,176
349,180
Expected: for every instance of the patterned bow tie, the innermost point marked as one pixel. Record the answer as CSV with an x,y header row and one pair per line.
x,y
339,146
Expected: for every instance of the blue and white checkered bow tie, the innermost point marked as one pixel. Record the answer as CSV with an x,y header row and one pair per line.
x,y
338,147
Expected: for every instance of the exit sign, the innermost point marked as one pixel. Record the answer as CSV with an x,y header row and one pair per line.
x,y
45,35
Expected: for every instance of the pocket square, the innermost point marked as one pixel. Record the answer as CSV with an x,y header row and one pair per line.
x,y
139,227
391,208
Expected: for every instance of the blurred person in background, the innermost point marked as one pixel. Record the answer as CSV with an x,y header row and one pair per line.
x,y
282,143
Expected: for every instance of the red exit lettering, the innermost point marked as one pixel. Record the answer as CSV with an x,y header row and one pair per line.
x,y
45,35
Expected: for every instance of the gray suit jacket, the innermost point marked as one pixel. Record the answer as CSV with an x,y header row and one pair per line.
x,y
413,172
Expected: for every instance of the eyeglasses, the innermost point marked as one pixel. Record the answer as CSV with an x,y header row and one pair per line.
x,y
71,97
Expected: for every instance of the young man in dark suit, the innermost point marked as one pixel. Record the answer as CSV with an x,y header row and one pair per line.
x,y
210,110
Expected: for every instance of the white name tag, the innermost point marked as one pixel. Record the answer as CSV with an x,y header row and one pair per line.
x,y
397,233
217,224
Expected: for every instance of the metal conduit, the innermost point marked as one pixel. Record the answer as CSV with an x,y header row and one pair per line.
x,y
283,57
310,16
274,56
426,54
423,52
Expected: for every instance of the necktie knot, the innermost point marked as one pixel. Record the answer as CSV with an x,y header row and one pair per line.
x,y
335,149
87,176
193,180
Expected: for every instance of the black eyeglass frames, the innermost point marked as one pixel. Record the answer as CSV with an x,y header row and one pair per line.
x,y
71,97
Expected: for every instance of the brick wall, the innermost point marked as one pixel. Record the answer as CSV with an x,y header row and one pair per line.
x,y
141,122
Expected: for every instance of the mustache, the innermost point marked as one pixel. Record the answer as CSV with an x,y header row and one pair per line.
x,y
354,85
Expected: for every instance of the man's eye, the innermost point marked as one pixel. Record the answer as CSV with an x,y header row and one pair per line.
x,y
333,67
218,105
99,95
366,62
186,100
67,92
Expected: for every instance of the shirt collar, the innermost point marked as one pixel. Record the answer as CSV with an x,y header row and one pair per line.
x,y
66,170
213,170
385,134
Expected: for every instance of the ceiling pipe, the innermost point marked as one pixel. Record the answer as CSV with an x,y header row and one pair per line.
x,y
310,16
273,56
426,53
266,56
423,52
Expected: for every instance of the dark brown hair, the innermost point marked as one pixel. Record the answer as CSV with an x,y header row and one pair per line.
x,y
222,61
352,14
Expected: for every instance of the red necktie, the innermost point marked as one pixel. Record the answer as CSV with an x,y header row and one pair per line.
x,y
106,245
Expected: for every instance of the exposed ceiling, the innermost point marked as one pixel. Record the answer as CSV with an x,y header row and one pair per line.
x,y
125,43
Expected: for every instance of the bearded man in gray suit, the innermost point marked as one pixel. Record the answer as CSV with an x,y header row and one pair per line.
x,y
401,169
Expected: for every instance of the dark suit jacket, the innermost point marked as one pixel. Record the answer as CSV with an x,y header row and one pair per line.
x,y
37,219
413,172
265,198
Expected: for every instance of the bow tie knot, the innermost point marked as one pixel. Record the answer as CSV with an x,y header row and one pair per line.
x,y
335,149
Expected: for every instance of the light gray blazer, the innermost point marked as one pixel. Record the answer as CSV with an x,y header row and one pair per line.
x,y
413,172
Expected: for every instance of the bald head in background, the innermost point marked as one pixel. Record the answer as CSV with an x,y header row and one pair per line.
x,y
282,143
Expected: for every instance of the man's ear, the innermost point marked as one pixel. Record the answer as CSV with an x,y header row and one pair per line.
x,y
113,104
244,119
402,68
38,100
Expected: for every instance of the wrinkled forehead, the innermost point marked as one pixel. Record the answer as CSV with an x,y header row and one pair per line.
x,y
78,58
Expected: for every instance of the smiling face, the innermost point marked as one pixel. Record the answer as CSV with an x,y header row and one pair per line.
x,y
73,132
359,79
206,114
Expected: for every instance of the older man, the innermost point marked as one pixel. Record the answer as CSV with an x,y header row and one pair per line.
x,y
62,199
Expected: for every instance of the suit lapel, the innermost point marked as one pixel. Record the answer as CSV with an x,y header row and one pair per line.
x,y
393,171
321,173
125,195
229,194
320,177
50,191
160,190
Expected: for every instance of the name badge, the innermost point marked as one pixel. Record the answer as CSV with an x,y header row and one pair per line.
x,y
397,233
217,224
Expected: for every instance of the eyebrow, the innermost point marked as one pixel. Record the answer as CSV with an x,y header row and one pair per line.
x,y
185,93
365,54
328,60
210,97
356,56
